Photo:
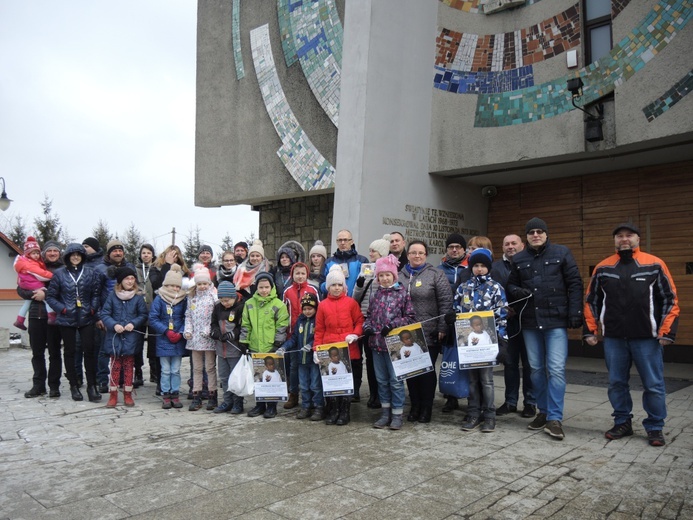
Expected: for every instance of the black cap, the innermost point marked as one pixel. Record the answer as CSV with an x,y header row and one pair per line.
x,y
123,272
92,242
456,238
627,225
536,223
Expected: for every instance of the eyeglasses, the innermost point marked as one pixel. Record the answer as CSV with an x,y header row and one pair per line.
x,y
417,253
536,232
455,246
344,240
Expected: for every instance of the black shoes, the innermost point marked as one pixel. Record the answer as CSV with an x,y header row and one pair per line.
x,y
34,392
93,394
505,409
76,394
103,388
471,423
414,413
655,438
425,416
374,403
54,392
529,411
270,411
620,430
450,405
138,380
538,423
258,410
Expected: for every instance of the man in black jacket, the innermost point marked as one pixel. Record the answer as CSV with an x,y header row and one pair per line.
x,y
548,275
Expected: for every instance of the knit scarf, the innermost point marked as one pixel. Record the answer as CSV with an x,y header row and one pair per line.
x,y
170,296
125,295
414,270
246,273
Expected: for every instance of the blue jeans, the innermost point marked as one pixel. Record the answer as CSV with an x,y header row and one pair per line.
x,y
291,361
390,390
547,352
310,382
481,394
516,352
647,354
170,374
224,367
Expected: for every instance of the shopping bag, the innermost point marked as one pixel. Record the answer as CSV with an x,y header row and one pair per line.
x,y
241,380
453,381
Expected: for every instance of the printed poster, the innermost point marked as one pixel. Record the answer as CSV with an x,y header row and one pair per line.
x,y
408,351
335,369
477,339
269,373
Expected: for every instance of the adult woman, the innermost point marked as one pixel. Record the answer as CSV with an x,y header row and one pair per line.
x,y
227,269
74,294
148,279
173,255
479,243
244,279
431,295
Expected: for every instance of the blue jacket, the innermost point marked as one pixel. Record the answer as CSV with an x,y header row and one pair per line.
x,y
121,312
66,284
303,335
353,260
108,280
483,293
456,273
158,321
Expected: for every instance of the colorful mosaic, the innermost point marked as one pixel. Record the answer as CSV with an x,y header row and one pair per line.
x,y
505,51
318,38
461,82
617,6
627,57
300,157
236,36
669,98
472,6
285,32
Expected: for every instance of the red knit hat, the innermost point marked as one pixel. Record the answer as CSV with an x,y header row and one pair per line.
x,y
31,245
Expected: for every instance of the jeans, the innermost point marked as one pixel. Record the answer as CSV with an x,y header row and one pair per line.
x,y
547,352
647,354
516,352
170,374
390,390
481,394
225,366
291,361
310,381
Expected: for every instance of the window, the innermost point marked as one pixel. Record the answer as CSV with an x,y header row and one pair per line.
x,y
597,23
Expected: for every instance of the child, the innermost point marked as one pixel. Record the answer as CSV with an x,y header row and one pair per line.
x,y
32,276
317,259
263,328
270,375
167,318
409,347
225,329
301,342
292,299
339,319
124,311
198,320
482,293
336,366
390,308
246,275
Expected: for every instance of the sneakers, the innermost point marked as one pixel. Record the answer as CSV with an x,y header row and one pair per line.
x,y
555,429
223,407
318,414
304,413
529,411
538,423
505,409
489,425
619,431
450,405
655,438
470,423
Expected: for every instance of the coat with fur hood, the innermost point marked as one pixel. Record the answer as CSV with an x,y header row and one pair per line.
x,y
338,317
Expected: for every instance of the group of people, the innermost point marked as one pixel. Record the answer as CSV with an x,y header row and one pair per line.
x,y
100,305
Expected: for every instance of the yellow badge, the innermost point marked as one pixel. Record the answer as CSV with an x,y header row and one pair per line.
x,y
79,303
192,307
231,316
418,283
300,329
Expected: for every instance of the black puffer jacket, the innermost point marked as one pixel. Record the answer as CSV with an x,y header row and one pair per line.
x,y
554,279
67,283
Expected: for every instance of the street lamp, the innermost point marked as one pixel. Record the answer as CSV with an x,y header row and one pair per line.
x,y
4,200
593,124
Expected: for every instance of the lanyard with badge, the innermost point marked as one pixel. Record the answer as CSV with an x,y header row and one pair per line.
x,y
78,301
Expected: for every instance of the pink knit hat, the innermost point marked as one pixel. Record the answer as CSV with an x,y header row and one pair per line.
x,y
31,245
387,264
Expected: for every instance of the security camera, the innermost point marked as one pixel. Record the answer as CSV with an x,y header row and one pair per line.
x,y
489,191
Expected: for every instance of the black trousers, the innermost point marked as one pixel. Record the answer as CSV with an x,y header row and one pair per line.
x,y
422,389
44,337
89,348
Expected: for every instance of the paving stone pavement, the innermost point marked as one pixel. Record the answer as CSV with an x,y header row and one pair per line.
x,y
66,459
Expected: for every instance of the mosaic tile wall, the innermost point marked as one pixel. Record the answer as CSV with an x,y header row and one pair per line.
x,y
236,37
318,39
669,98
627,57
300,157
285,32
483,82
617,6
472,6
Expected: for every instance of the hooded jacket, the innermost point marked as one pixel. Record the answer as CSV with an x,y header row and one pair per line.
x,y
159,323
389,306
293,295
265,320
483,293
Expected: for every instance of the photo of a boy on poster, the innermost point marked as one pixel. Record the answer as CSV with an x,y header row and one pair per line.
x,y
335,369
270,377
408,351
477,339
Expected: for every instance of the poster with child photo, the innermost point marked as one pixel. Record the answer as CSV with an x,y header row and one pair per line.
x,y
477,339
408,351
335,369
270,377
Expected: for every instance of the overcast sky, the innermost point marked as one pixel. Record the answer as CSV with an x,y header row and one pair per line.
x,y
97,111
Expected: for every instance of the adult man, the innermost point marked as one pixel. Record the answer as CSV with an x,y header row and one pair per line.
x,y
398,247
240,252
348,258
548,274
454,265
94,252
633,297
512,244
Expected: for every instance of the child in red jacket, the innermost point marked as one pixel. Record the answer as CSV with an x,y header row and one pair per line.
x,y
339,319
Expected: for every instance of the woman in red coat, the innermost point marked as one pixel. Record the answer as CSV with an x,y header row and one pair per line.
x,y
339,319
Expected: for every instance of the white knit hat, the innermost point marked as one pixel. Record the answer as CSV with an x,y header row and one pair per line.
x,y
174,276
335,276
257,248
382,246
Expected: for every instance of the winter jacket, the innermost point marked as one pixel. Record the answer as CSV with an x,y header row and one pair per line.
x,y
198,320
228,320
554,279
363,295
483,293
264,323
66,284
31,274
431,296
282,279
353,261
159,321
107,275
148,280
292,300
500,272
94,259
632,297
389,307
224,275
336,319
121,312
304,336
456,271
37,309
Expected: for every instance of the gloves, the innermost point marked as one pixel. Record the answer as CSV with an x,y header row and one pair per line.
x,y
360,281
276,346
450,317
522,292
280,350
386,330
173,337
243,347
306,348
215,334
575,322
367,332
227,337
350,338
502,356
315,358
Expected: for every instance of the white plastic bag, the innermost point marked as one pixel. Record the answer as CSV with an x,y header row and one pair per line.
x,y
241,381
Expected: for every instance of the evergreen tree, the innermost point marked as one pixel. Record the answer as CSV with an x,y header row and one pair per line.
x,y
17,232
226,245
132,240
101,233
191,245
48,227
